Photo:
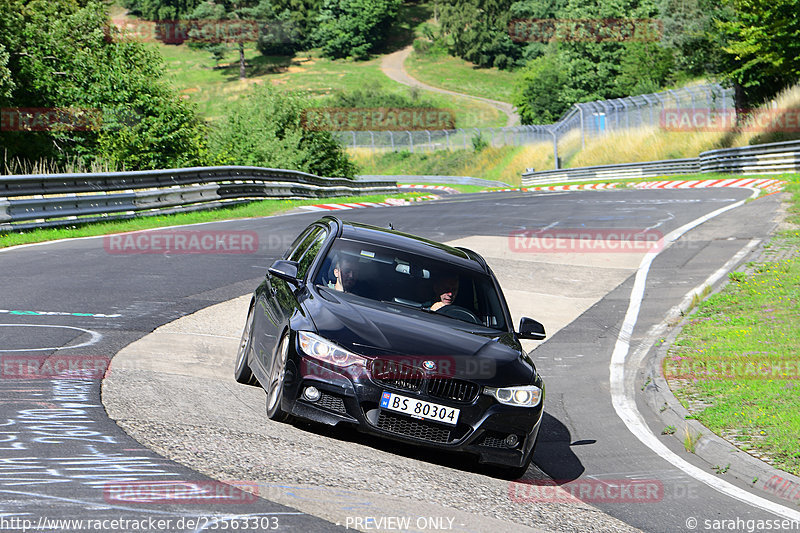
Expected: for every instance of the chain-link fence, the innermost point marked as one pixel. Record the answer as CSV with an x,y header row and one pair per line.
x,y
590,119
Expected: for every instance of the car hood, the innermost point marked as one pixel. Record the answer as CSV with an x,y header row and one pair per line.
x,y
386,330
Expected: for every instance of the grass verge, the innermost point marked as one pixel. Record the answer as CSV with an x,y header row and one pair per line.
x,y
261,208
735,364
211,85
505,163
454,74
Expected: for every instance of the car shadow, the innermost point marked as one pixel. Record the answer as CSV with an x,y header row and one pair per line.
x,y
552,456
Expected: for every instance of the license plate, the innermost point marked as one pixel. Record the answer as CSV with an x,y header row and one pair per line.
x,y
419,409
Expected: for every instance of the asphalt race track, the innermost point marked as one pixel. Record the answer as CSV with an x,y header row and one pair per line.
x,y
82,300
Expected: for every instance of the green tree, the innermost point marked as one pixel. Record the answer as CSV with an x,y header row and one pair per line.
x,y
238,21
762,45
294,25
352,28
689,30
6,83
597,54
161,9
266,128
645,68
478,31
540,95
62,55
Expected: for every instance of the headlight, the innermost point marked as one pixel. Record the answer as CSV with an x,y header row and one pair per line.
x,y
527,396
324,350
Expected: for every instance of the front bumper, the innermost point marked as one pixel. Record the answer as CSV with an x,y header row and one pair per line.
x,y
352,397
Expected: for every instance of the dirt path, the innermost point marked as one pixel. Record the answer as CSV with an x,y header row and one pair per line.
x,y
392,66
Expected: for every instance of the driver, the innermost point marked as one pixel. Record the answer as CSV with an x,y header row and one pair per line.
x,y
446,289
345,271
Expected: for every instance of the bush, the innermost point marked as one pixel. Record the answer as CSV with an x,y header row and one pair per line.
x,y
478,142
376,96
430,48
265,129
540,94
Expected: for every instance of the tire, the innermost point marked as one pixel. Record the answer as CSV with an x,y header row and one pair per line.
x,y
275,385
242,372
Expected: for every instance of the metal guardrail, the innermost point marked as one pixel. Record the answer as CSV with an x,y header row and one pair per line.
x,y
450,180
622,171
773,158
28,201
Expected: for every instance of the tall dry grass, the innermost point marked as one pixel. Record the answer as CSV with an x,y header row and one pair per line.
x,y
506,163
15,166
652,143
783,111
648,143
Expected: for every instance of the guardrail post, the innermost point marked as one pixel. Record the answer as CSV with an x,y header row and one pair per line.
x,y
555,147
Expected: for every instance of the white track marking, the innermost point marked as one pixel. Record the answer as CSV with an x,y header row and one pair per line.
x,y
94,340
622,389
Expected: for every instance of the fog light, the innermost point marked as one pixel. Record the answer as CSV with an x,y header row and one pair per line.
x,y
311,394
511,441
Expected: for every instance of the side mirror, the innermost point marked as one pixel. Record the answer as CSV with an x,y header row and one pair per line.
x,y
285,270
531,329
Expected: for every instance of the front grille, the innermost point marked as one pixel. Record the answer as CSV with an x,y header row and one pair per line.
x,y
410,427
394,374
453,389
406,377
331,403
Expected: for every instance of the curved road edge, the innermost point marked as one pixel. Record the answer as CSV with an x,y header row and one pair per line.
x,y
625,370
710,447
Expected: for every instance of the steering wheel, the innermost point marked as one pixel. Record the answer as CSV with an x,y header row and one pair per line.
x,y
458,312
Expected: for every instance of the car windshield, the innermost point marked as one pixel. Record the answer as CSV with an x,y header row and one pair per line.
x,y
388,275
